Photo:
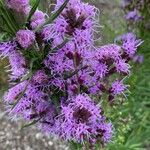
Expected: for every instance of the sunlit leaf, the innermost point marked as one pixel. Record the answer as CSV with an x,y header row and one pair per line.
x,y
54,15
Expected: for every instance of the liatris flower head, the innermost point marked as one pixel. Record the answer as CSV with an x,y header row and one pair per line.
x,y
133,16
7,48
25,38
130,43
117,87
37,19
40,77
16,61
110,51
122,66
13,92
81,120
18,5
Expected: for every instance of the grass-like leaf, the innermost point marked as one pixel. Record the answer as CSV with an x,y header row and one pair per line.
x,y
54,15
57,13
8,18
32,11
19,97
30,124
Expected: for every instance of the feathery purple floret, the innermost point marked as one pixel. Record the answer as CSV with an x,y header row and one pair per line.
x,y
7,48
18,5
122,66
13,92
37,19
130,44
118,87
81,120
40,77
18,65
25,38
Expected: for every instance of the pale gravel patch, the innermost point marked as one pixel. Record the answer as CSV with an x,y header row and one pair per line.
x,y
12,138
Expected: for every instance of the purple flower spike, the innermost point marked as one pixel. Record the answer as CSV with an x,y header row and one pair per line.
x,y
122,66
40,77
81,120
56,70
130,44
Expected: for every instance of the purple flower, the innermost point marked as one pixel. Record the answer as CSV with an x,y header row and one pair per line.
x,y
81,120
25,38
40,77
37,19
130,44
100,69
122,66
133,16
76,16
18,5
7,48
110,51
16,60
117,88
53,94
14,92
49,32
31,99
17,64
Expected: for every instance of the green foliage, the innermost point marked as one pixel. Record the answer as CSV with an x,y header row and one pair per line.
x,y
8,20
33,9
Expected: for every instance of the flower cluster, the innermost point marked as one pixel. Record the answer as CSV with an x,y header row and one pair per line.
x,y
19,5
56,72
137,12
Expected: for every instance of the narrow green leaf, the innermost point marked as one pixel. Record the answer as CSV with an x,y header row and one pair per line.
x,y
57,13
19,98
54,15
60,45
8,18
32,11
30,124
9,26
